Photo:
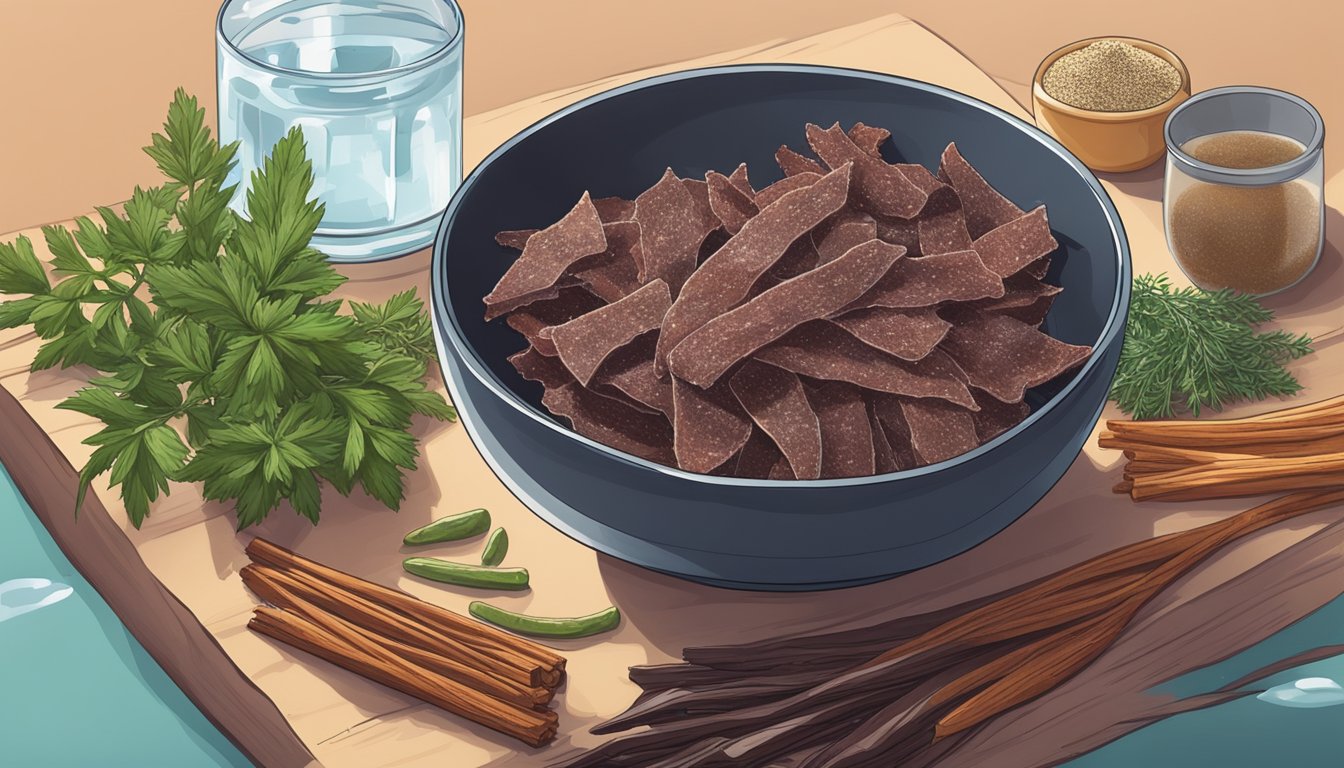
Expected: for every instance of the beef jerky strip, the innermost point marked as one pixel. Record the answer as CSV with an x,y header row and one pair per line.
x,y
846,229
939,430
671,231
534,366
614,209
757,457
629,370
707,353
930,280
784,186
885,458
709,426
567,304
824,351
1004,356
799,258
846,433
985,208
587,340
782,470
1038,268
793,164
1020,290
742,181
775,401
728,275
1032,314
942,225
1009,248
909,334
895,431
612,422
700,194
880,188
900,232
615,274
995,417
869,138
728,203
515,238
547,256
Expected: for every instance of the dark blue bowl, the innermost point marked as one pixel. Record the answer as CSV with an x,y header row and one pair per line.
x,y
761,534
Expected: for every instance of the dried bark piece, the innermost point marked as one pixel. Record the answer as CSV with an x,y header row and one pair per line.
x,y
727,276
515,238
671,228
615,274
709,426
700,194
707,353
567,304
879,188
1032,314
869,138
930,280
757,457
985,208
799,258
910,334
1009,248
614,209
728,203
1020,290
546,257
742,181
846,229
779,189
587,340
846,433
996,417
792,163
629,370
534,366
939,430
612,422
775,401
1005,357
821,350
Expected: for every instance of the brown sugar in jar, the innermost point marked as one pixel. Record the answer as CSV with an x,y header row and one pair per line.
x,y
1243,207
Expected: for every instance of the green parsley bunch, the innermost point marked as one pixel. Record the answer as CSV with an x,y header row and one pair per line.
x,y
223,358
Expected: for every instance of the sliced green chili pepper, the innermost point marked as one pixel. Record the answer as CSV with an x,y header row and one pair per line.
x,y
496,547
451,528
581,626
464,575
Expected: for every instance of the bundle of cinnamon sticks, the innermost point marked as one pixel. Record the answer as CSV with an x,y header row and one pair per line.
x,y
1298,448
490,677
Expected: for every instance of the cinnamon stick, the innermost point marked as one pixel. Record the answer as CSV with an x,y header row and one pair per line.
x,y
544,666
397,634
334,640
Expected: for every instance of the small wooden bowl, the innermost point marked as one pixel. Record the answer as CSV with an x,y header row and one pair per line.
x,y
1108,141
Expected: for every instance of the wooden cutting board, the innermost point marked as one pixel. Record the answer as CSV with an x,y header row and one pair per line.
x,y
175,580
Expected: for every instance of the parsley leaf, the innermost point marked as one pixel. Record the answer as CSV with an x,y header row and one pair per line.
x,y
224,327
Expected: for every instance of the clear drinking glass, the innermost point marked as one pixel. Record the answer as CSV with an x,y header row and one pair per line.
x,y
375,86
1243,205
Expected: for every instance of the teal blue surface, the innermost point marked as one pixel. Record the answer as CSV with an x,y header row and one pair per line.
x,y
76,689
79,691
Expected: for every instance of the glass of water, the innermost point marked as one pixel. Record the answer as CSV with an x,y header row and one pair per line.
x,y
376,88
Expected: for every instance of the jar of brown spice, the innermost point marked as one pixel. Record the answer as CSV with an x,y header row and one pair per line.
x,y
1244,203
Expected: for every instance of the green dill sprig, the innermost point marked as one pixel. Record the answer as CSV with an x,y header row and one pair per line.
x,y
1192,350
222,358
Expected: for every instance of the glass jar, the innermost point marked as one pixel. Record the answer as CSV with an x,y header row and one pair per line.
x,y
1243,204
376,88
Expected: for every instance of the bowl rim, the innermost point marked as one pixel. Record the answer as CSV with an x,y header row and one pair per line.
x,y
450,332
1043,97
